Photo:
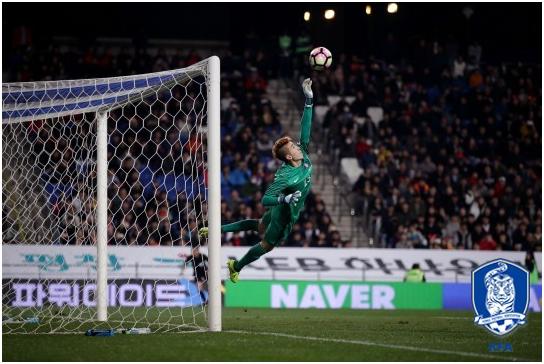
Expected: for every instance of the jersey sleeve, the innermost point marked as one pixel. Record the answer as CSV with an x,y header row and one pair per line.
x,y
306,124
273,191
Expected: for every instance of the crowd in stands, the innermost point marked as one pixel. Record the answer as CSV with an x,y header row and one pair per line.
x,y
156,176
454,162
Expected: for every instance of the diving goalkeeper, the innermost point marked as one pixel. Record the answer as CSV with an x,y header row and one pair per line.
x,y
284,198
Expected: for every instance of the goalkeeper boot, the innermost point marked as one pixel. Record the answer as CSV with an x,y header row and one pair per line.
x,y
232,272
203,232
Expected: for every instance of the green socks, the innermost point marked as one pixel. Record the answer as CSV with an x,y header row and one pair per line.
x,y
252,255
243,225
256,251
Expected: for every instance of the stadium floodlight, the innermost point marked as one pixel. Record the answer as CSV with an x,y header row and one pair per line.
x,y
392,8
368,10
467,12
71,150
329,14
306,16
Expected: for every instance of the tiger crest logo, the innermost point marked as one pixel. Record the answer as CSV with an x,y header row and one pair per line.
x,y
500,296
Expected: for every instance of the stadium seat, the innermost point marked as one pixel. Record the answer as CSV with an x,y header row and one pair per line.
x,y
350,167
319,112
375,114
359,120
349,99
333,99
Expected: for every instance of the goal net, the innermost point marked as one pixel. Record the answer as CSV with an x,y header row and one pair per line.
x,y
105,183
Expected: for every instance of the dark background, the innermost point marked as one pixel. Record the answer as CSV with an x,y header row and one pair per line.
x,y
507,31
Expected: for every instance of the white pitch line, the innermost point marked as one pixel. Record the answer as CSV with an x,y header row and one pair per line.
x,y
388,346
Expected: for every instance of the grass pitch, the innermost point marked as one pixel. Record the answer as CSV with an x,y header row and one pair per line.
x,y
297,335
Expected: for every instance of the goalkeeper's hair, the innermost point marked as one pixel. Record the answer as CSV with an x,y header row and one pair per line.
x,y
277,149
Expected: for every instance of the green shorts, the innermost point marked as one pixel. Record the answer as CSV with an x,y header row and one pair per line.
x,y
278,225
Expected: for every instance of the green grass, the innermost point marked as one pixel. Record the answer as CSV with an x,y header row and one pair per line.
x,y
297,335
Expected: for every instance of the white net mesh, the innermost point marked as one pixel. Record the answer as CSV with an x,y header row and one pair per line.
x,y
156,197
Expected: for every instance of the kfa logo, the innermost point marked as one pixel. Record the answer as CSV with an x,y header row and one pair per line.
x,y
500,296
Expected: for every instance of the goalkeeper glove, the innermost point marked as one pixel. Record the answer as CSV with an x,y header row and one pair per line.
x,y
290,199
307,88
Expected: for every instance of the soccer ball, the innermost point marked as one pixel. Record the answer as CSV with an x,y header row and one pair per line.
x,y
320,58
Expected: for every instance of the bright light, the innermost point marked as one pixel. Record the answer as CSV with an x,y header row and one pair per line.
x,y
368,10
329,14
307,16
392,8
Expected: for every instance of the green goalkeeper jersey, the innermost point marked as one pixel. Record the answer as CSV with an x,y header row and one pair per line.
x,y
289,179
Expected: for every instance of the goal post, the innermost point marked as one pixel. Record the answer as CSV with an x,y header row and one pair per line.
x,y
214,195
127,167
101,215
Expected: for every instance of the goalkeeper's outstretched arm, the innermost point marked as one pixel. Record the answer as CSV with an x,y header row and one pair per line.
x,y
306,121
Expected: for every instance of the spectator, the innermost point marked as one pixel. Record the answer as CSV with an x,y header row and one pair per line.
x,y
487,243
416,238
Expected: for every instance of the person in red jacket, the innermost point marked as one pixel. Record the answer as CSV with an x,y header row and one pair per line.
x,y
488,243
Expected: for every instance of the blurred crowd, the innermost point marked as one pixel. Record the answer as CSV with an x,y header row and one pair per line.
x,y
156,173
451,155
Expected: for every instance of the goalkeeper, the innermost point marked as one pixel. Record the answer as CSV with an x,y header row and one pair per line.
x,y
284,198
